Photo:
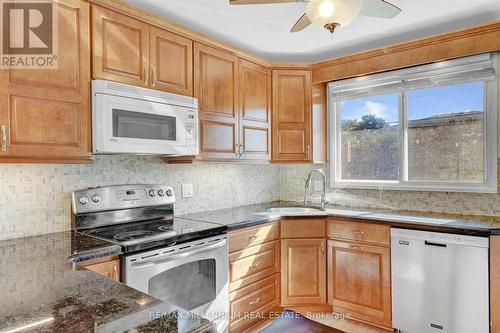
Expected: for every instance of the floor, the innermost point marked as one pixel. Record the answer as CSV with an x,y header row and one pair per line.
x,y
346,325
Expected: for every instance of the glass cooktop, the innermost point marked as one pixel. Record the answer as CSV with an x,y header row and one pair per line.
x,y
142,235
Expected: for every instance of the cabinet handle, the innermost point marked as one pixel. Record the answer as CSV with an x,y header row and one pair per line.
x,y
4,137
308,151
254,302
115,273
357,247
153,76
237,150
322,248
358,232
146,75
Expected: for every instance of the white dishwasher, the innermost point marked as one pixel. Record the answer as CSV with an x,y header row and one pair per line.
x,y
439,282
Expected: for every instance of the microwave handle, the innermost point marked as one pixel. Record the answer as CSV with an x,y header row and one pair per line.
x,y
169,257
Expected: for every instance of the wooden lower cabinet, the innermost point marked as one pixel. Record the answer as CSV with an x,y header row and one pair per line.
x,y
253,264
251,304
254,274
359,281
110,269
303,271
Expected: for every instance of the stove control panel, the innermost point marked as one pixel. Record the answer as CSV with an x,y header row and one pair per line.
x,y
97,199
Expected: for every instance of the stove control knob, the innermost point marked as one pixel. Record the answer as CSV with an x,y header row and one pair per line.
x,y
152,193
96,198
83,201
170,193
161,192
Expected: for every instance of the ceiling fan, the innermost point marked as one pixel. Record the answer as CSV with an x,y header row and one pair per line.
x,y
332,14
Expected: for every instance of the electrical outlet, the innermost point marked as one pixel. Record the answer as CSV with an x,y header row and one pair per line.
x,y
318,185
187,190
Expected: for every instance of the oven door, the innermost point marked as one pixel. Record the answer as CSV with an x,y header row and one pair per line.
x,y
128,125
193,276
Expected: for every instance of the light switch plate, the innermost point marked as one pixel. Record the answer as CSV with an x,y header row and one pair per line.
x,y
187,191
318,186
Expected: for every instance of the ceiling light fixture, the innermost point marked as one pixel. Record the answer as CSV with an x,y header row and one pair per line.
x,y
331,14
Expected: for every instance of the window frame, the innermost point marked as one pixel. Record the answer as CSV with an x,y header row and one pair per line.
x,y
490,141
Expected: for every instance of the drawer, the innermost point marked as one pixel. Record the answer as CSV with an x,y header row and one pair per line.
x,y
259,298
358,231
241,239
253,264
303,228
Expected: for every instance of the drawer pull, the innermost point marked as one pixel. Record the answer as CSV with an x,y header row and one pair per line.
x,y
357,247
255,266
252,238
358,232
254,302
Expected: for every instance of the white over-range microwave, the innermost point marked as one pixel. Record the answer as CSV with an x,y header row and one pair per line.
x,y
133,120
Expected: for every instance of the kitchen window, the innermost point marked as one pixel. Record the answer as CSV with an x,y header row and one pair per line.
x,y
430,127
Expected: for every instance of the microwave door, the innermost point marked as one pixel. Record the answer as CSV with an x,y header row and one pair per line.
x,y
137,126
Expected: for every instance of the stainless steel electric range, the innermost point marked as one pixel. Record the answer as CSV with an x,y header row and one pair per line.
x,y
180,261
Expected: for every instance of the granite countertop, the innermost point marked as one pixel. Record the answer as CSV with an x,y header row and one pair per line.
x,y
43,292
245,216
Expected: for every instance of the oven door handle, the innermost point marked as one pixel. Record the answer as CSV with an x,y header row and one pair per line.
x,y
170,257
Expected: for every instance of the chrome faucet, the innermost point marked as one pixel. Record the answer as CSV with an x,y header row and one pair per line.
x,y
324,200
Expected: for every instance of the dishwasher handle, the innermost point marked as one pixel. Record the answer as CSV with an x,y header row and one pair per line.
x,y
434,244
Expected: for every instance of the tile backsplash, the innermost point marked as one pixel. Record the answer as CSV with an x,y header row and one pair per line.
x,y
449,202
35,198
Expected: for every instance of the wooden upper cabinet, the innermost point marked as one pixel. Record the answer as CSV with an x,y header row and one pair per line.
x,y
303,271
216,87
359,281
291,123
120,47
45,113
171,60
254,111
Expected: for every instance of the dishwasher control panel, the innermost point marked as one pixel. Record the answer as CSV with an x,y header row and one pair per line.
x,y
441,238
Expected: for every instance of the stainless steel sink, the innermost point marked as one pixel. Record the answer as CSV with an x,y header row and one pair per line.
x,y
294,210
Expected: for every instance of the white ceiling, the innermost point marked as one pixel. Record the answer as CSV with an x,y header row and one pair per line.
x,y
264,29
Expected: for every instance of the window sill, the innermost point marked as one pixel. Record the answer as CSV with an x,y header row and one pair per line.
x,y
428,187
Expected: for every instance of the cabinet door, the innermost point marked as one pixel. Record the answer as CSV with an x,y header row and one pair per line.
x,y
45,113
171,59
359,281
216,87
255,111
120,46
110,269
303,271
291,123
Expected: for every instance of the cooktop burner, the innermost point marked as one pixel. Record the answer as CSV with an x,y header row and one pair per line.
x,y
142,235
131,235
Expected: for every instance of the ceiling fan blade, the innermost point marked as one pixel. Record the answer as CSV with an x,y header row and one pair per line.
x,y
257,2
379,8
301,24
